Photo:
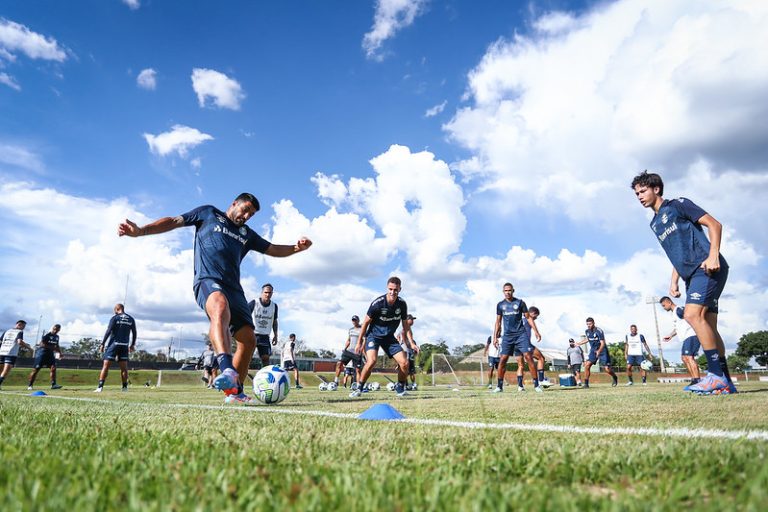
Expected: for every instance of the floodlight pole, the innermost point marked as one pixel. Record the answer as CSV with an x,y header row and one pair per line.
x,y
652,300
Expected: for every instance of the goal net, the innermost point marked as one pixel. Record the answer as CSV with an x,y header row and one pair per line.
x,y
449,370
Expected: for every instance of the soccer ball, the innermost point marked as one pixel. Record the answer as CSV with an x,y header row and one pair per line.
x,y
412,387
391,386
646,365
271,384
332,386
355,386
374,386
323,386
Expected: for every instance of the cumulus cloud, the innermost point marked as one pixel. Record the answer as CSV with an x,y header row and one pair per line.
x,y
17,38
217,87
437,109
8,80
390,17
147,79
179,140
132,4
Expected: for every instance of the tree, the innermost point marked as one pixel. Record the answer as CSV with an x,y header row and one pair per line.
x,y
616,351
738,363
463,351
327,354
427,349
754,344
308,353
86,348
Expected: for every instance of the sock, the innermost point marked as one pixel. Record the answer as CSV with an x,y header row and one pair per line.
x,y
336,380
520,380
535,383
225,362
239,389
2,379
586,381
500,384
101,383
724,366
713,362
631,379
615,378
541,375
125,385
31,381
644,378
362,385
297,381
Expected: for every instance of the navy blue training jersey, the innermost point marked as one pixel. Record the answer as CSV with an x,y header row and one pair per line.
x,y
120,329
220,245
512,314
594,336
681,236
50,342
385,319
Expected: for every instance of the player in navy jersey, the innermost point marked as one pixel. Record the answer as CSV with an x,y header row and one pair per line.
x,y
385,314
512,315
10,343
46,356
678,225
598,351
119,340
222,240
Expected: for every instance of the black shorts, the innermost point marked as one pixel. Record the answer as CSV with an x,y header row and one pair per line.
x,y
44,358
116,352
289,365
263,345
239,312
347,356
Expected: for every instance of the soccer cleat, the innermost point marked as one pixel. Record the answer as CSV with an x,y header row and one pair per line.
x,y
490,386
520,388
299,386
538,389
123,390
238,398
645,383
29,388
732,388
354,394
98,390
546,383
586,385
630,383
615,383
227,382
56,386
711,384
497,390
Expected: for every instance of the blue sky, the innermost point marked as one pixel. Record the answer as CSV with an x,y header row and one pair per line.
x,y
459,144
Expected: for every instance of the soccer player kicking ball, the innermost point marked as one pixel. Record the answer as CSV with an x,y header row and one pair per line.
x,y
512,314
378,330
222,240
677,225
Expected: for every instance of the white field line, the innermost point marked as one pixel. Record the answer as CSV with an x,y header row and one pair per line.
x,y
688,433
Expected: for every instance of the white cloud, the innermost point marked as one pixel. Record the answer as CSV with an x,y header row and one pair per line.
x,y
179,140
390,17
585,102
132,4
8,80
432,112
21,157
212,85
147,79
15,37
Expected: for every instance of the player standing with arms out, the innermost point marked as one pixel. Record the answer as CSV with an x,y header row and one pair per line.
x,y
684,332
12,339
222,240
634,347
120,339
678,226
46,356
348,354
575,357
289,359
512,314
598,350
384,316
264,316
492,352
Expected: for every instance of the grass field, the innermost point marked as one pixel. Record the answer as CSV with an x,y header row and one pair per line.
x,y
178,448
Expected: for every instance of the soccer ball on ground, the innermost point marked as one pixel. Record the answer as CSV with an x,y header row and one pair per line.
x,y
332,386
355,386
391,386
271,384
646,365
412,387
323,386
374,386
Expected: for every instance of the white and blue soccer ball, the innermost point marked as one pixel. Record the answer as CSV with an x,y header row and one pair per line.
x,y
355,386
390,386
332,386
646,365
271,384
412,387
323,386
374,386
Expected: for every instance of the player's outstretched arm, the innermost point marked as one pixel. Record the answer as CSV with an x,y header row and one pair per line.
x,y
281,251
130,228
715,229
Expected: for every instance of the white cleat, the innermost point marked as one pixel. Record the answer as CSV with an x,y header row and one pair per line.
x,y
29,388
546,383
538,389
98,390
497,390
520,388
630,383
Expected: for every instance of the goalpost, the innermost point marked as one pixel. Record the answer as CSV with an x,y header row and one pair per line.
x,y
450,371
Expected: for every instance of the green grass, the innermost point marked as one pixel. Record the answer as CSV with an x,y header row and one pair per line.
x,y
141,451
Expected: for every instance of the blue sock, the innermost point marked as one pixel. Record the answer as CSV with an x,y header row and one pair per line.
x,y
225,362
713,362
644,379
520,380
535,383
541,375
500,384
631,379
586,381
